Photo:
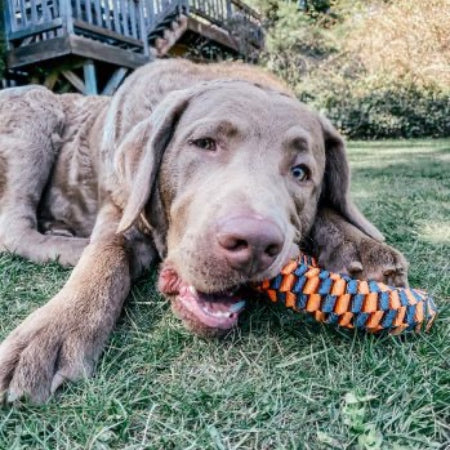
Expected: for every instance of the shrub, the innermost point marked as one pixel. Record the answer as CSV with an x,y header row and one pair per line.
x,y
295,43
379,69
403,39
390,111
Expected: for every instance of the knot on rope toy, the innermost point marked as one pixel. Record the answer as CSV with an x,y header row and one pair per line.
x,y
338,299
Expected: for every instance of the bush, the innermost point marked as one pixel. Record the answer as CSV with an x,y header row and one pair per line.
x,y
403,39
395,110
378,69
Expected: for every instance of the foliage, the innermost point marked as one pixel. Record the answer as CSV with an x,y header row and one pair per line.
x,y
294,43
377,68
404,40
365,110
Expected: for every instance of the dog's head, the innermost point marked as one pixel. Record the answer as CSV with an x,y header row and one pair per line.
x,y
228,175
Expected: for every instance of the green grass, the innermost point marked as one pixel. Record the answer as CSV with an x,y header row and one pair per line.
x,y
280,381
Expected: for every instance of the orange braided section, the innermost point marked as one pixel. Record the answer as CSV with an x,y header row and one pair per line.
x,y
336,298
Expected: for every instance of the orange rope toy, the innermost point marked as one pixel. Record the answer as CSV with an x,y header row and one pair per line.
x,y
338,299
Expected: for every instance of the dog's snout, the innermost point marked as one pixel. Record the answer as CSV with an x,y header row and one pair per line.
x,y
249,243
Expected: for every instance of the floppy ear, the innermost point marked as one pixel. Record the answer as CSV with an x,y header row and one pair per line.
x,y
138,158
336,184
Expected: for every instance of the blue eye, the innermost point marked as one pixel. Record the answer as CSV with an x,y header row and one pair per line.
x,y
300,172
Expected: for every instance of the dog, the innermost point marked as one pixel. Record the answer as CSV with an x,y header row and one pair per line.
x,y
215,170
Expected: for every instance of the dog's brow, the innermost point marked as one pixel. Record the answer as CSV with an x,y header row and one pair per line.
x,y
212,128
297,139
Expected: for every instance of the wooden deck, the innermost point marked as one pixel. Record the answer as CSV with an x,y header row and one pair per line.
x,y
86,35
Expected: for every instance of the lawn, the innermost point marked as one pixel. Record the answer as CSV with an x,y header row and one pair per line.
x,y
280,381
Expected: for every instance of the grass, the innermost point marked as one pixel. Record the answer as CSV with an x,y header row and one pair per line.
x,y
280,381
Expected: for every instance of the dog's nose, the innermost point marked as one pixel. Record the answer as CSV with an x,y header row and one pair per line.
x,y
248,242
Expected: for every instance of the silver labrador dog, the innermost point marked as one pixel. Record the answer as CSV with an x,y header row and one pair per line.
x,y
216,170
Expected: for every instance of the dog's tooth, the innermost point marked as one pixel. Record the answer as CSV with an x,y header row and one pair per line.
x,y
219,314
237,306
192,290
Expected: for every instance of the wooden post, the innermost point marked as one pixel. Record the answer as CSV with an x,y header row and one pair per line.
x,y
108,24
150,14
65,8
185,7
74,80
229,10
90,80
115,80
116,14
23,15
142,28
8,20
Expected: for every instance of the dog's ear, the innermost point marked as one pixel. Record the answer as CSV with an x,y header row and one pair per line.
x,y
138,157
336,184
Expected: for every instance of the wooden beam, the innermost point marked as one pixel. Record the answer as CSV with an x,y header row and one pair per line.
x,y
35,29
171,36
100,31
97,51
74,80
90,78
249,10
51,79
113,83
213,33
38,52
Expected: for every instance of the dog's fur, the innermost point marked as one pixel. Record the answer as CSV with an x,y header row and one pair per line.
x,y
111,185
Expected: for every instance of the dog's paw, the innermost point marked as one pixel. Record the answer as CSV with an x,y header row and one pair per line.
x,y
383,263
47,349
367,259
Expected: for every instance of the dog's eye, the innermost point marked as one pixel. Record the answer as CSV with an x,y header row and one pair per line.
x,y
205,144
300,172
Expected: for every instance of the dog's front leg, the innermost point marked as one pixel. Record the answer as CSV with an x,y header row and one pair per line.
x,y
63,339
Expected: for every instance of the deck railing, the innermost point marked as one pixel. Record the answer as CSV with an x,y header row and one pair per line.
x,y
120,20
122,23
220,12
24,16
155,11
116,22
232,15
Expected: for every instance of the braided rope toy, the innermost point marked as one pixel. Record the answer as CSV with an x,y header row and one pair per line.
x,y
338,299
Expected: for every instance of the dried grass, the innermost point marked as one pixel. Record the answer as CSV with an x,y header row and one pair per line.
x,y
403,39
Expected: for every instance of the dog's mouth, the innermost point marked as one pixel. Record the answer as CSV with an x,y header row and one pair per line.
x,y
218,310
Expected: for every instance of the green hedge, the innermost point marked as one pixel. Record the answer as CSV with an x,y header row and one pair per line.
x,y
393,111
